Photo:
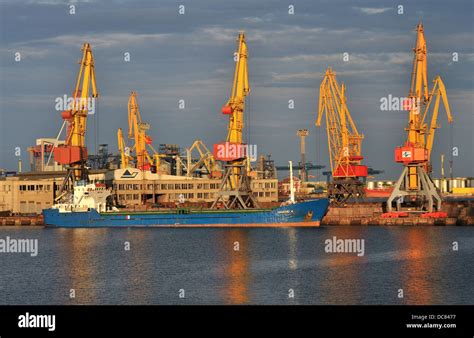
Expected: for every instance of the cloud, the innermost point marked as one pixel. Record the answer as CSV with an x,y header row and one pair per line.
x,y
102,40
372,10
320,75
27,51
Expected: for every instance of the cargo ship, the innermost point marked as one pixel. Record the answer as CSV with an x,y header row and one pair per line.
x,y
89,208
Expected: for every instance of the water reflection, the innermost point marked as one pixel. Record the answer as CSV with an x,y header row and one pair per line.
x,y
293,253
235,266
137,269
78,249
342,282
419,266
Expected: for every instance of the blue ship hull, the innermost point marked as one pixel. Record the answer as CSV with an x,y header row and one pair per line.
x,y
307,213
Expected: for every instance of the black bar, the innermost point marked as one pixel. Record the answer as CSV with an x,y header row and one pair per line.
x,y
312,321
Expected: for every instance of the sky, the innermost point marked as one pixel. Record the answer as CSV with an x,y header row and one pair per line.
x,y
189,57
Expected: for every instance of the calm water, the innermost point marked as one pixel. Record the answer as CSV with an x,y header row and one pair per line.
x,y
203,263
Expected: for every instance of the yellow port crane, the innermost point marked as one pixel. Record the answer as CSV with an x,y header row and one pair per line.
x,y
344,141
73,153
137,132
235,191
415,182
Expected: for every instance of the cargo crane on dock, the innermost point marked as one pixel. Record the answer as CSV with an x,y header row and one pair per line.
x,y
415,185
344,142
235,190
137,132
73,153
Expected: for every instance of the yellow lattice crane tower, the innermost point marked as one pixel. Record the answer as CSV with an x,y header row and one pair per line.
x,y
344,142
73,153
235,191
415,186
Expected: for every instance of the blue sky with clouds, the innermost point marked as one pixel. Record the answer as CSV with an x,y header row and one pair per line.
x,y
190,57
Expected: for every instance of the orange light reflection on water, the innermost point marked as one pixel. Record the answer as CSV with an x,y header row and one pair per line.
x,y
416,268
236,268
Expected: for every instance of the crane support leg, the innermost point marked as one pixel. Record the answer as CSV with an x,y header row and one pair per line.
x,y
235,191
426,193
343,190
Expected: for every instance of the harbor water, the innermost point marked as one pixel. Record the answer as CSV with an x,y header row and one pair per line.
x,y
398,265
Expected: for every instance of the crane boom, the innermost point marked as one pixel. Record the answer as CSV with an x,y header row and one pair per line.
x,y
124,156
235,107
439,91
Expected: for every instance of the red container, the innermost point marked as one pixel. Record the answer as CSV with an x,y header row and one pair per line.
x,y
411,154
69,154
351,171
